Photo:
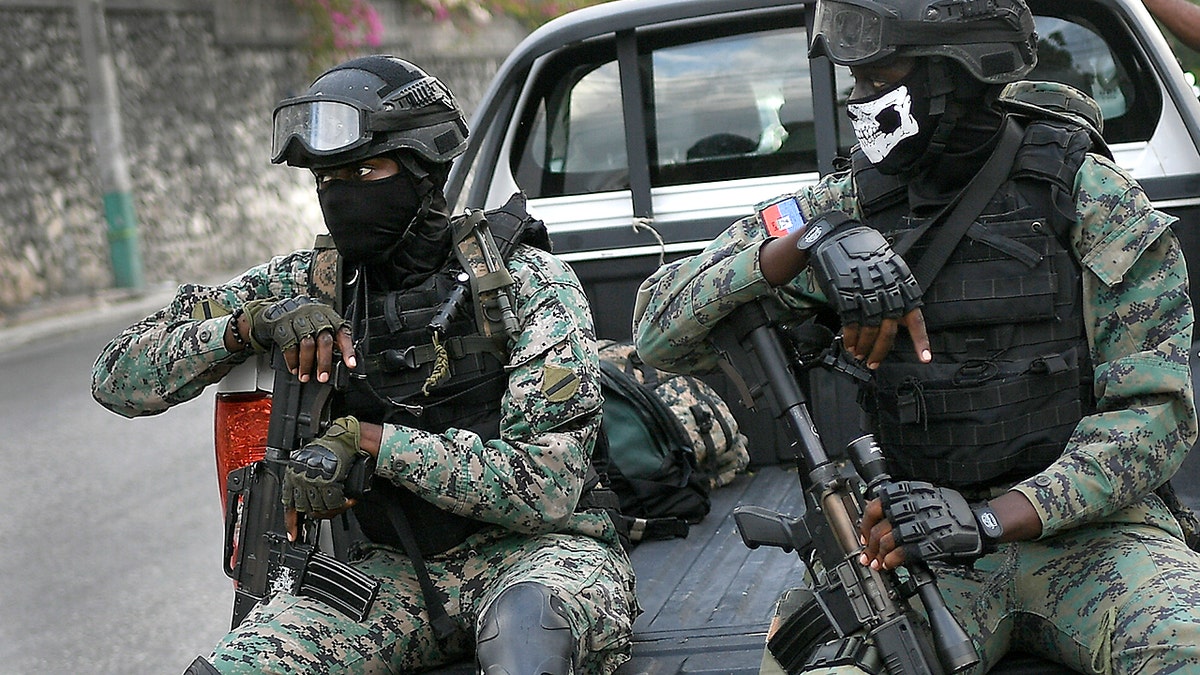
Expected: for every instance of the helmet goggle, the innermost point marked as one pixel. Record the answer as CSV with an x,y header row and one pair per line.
x,y
852,33
327,125
322,125
849,33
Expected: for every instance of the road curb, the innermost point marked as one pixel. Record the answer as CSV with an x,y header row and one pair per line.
x,y
65,316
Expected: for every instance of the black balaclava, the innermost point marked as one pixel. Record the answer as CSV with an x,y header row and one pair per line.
x,y
962,154
938,107
397,229
894,126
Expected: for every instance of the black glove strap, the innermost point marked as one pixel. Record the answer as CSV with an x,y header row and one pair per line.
x,y
821,227
990,529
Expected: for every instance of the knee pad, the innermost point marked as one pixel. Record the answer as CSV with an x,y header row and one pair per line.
x,y
526,631
201,667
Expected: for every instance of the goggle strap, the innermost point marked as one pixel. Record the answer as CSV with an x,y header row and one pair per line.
x,y
404,120
909,33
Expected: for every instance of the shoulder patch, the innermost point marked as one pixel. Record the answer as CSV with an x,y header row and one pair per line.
x,y
208,309
559,384
780,215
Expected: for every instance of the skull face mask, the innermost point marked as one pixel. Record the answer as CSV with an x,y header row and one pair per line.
x,y
882,122
893,127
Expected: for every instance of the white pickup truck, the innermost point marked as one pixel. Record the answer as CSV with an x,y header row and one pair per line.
x,y
641,128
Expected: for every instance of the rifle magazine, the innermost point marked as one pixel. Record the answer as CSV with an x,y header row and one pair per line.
x,y
339,585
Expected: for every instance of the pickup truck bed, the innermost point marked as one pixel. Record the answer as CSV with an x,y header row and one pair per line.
x,y
707,598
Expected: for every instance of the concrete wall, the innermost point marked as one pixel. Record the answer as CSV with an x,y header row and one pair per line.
x,y
198,80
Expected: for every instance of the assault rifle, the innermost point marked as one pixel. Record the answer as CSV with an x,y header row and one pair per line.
x,y
854,600
258,556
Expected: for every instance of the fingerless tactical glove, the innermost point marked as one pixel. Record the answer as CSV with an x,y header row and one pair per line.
x,y
313,480
862,277
285,322
931,523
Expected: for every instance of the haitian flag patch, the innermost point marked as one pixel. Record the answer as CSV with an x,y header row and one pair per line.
x,y
780,215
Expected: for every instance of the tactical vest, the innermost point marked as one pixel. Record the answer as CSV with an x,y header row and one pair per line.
x,y
1011,375
432,380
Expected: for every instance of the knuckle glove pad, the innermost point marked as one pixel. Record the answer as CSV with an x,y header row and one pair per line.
x,y
285,322
862,277
931,523
313,479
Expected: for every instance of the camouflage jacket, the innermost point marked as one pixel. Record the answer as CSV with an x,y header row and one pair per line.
x,y
1137,314
527,480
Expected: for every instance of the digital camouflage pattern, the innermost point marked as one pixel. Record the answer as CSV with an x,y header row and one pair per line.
x,y
720,449
1100,491
525,483
294,634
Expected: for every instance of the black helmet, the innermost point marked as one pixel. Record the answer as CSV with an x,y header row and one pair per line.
x,y
995,40
366,107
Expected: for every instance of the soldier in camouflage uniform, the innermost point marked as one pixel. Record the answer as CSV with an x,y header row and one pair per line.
x,y
482,431
1032,391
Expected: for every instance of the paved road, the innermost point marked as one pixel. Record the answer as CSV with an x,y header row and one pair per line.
x,y
110,531
111,527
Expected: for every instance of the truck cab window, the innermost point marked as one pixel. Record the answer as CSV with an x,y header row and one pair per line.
x,y
576,138
732,107
719,109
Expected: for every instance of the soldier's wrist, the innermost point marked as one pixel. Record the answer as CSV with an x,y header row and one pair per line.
x,y
234,342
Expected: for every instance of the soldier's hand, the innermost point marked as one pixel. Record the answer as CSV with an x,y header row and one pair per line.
x,y
312,481
872,343
867,284
915,520
306,330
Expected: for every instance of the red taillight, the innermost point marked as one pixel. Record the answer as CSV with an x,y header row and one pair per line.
x,y
241,431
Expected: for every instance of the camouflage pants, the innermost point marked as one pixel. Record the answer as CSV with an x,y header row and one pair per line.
x,y
1110,598
299,635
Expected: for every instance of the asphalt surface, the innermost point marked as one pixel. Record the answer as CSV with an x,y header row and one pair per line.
x,y
111,527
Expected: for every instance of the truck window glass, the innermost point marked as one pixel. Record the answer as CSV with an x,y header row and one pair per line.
x,y
576,137
719,109
1076,55
733,107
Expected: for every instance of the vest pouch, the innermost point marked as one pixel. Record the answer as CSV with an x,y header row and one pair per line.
x,y
976,423
1005,271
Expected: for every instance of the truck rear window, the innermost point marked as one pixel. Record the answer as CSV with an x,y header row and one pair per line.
x,y
726,107
718,109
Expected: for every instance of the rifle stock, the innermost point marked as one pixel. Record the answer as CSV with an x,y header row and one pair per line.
x,y
854,598
257,553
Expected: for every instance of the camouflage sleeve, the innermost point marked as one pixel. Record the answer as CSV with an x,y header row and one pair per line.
x,y
531,477
1139,320
172,355
680,304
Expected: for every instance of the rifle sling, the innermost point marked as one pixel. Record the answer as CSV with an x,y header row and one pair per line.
x,y
962,212
443,625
